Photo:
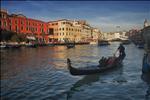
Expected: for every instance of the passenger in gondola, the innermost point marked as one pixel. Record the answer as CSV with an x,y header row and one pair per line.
x,y
111,60
121,50
103,62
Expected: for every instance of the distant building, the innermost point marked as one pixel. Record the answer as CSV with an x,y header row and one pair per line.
x,y
146,36
108,36
114,36
146,24
86,32
96,34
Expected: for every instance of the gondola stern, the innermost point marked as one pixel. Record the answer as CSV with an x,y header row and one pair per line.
x,y
68,63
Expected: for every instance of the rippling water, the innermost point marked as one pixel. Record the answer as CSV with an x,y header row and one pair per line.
x,y
41,73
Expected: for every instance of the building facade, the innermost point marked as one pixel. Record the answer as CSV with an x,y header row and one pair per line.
x,y
64,31
96,34
22,25
86,31
72,31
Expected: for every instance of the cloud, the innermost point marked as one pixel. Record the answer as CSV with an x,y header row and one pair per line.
x,y
126,21
105,15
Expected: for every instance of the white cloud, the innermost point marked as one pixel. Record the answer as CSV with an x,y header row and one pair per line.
x,y
126,21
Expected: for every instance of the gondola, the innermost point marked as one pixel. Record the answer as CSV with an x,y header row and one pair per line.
x,y
146,64
13,46
103,43
70,46
94,69
126,42
31,45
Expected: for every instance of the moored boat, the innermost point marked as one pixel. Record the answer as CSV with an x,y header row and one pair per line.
x,y
13,45
94,69
146,63
32,45
2,46
140,46
126,42
103,43
70,46
93,42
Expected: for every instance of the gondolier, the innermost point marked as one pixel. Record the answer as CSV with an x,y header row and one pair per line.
x,y
121,50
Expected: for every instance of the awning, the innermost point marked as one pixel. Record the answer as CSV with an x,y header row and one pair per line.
x,y
31,38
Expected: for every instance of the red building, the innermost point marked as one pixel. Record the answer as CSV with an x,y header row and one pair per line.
x,y
22,25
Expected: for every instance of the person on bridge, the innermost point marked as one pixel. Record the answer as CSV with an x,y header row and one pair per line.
x,y
121,50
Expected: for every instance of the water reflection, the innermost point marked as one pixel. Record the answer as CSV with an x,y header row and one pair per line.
x,y
86,80
146,77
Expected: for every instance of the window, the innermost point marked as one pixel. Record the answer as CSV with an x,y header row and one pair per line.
x,y
67,29
5,24
63,29
10,22
10,27
60,29
1,23
56,23
42,30
16,28
64,23
15,21
51,31
21,22
21,27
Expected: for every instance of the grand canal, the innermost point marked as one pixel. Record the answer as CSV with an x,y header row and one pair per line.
x,y
42,74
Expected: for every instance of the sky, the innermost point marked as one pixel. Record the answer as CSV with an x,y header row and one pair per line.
x,y
105,15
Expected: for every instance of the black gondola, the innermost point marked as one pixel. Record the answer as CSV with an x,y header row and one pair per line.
x,y
126,42
103,43
95,69
146,64
70,46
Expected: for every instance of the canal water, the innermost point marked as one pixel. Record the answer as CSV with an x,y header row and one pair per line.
x,y
42,74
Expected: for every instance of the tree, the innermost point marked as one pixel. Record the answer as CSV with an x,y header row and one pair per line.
x,y
15,38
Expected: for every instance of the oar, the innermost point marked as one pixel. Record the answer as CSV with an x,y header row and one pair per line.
x,y
68,63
